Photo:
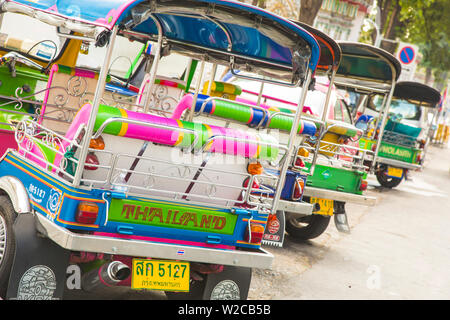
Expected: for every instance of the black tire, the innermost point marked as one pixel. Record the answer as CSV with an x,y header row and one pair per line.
x,y
386,181
308,227
7,242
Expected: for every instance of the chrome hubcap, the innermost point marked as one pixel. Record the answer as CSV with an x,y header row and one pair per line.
x,y
2,238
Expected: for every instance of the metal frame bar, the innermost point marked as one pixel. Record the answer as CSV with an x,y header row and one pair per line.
x,y
146,124
155,64
266,113
290,145
95,105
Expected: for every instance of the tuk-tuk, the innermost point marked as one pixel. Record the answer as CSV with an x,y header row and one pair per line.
x,y
371,71
135,198
407,132
218,103
335,164
341,172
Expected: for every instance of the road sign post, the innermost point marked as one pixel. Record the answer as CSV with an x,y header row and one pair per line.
x,y
407,55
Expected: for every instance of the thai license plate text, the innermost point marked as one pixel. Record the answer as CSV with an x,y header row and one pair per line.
x,y
160,275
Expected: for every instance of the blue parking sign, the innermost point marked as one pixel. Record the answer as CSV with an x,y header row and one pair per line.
x,y
407,55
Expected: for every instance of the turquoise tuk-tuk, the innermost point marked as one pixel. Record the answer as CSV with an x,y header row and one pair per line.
x,y
407,132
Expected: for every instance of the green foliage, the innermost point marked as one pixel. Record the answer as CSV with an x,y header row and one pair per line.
x,y
421,22
426,23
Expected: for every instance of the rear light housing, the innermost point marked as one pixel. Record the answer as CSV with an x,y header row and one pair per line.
x,y
422,143
255,168
255,184
87,213
363,185
299,162
302,152
98,143
254,233
91,162
419,158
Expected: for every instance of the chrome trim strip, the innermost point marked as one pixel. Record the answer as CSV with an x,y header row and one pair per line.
x,y
137,248
398,163
340,196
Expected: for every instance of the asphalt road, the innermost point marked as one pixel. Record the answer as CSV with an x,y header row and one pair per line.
x,y
398,249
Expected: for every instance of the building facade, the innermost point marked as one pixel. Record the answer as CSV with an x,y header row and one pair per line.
x,y
340,19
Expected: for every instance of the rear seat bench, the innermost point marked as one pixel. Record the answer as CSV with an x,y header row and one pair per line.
x,y
174,133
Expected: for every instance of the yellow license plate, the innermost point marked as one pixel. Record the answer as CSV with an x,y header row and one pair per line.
x,y
326,206
395,172
160,275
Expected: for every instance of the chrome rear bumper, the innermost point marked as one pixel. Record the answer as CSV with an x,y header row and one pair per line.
x,y
138,248
398,164
340,196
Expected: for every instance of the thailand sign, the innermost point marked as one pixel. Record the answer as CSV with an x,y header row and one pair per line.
x,y
162,214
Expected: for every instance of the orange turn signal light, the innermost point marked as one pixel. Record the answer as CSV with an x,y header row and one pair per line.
x,y
255,168
256,233
302,152
98,144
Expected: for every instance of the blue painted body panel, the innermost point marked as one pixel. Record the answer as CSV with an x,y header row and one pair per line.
x,y
58,202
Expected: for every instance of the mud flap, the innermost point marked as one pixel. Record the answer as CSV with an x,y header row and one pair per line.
x,y
39,268
232,283
340,217
275,230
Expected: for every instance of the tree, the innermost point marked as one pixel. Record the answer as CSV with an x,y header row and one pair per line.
x,y
424,23
389,11
308,10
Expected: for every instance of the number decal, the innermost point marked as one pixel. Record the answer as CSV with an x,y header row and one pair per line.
x,y
161,270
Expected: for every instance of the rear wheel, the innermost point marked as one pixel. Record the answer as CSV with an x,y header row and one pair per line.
x,y
308,227
7,242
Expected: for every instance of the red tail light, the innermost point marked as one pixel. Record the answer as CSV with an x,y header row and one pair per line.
x,y
91,162
255,234
255,184
87,213
363,185
298,189
299,163
422,143
419,158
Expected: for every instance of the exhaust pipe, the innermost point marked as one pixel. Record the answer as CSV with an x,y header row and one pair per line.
x,y
108,275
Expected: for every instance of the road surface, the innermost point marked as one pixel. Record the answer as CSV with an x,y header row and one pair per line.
x,y
399,249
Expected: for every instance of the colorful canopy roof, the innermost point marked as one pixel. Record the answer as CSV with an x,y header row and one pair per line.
x,y
365,65
330,51
417,92
213,27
